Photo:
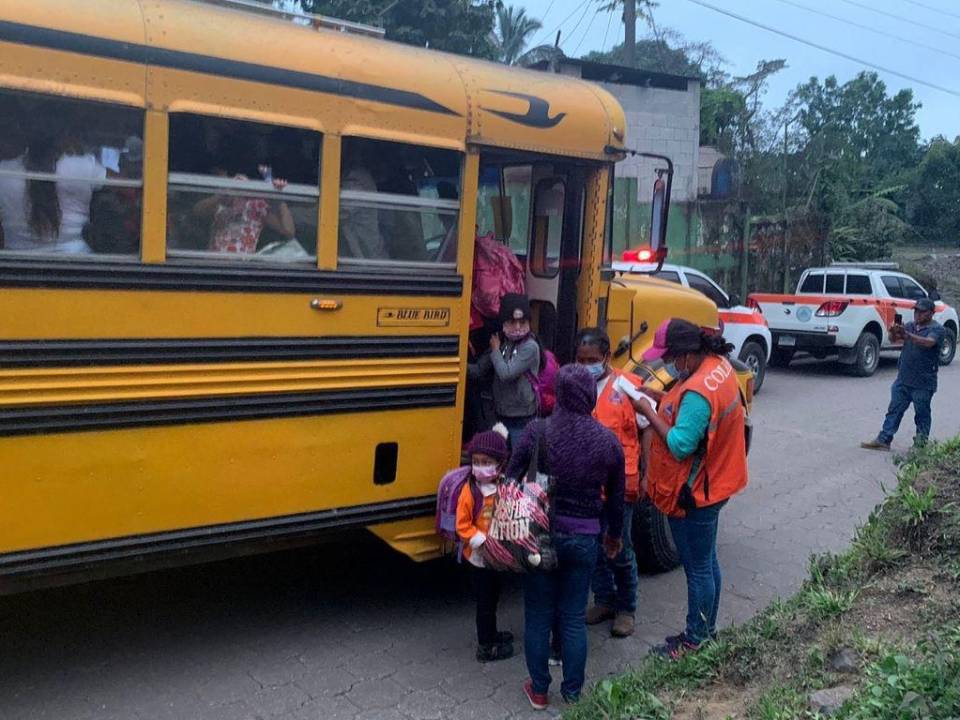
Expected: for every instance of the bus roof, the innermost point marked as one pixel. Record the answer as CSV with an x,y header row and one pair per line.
x,y
338,82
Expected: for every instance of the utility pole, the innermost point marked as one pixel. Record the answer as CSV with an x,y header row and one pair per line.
x,y
786,221
630,31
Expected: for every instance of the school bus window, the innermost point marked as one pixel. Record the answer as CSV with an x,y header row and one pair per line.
x,y
503,204
71,176
242,190
547,227
398,203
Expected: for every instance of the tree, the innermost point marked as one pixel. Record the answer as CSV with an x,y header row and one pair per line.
x,y
857,149
513,29
933,200
459,26
669,53
632,9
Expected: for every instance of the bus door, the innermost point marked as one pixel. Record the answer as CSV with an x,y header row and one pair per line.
x,y
553,255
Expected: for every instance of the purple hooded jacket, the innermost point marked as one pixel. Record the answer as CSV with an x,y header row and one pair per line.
x,y
583,457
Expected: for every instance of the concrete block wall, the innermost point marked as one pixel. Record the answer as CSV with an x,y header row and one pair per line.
x,y
666,122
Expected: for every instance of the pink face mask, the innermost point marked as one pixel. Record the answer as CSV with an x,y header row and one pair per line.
x,y
515,334
485,473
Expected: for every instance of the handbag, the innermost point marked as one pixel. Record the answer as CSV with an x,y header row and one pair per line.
x,y
519,536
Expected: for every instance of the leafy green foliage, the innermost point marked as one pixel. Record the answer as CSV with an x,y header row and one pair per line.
x,y
458,26
514,27
933,204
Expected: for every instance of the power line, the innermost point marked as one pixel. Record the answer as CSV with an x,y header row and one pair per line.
x,y
564,21
935,9
570,34
824,48
603,48
585,33
870,29
901,18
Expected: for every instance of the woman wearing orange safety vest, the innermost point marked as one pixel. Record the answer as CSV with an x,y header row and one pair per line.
x,y
697,461
615,580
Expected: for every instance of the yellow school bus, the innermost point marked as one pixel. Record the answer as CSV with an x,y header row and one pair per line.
x,y
235,268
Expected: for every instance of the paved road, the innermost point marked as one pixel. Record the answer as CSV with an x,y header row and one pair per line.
x,y
357,632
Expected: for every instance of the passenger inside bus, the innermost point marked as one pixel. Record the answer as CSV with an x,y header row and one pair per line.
x,y
241,188
399,203
52,165
236,222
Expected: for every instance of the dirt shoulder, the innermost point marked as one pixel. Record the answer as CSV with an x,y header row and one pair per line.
x,y
873,633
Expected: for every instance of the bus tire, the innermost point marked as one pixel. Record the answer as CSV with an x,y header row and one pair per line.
x,y
754,357
866,355
652,541
949,348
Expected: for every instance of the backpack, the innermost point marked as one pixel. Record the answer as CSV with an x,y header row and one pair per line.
x,y
545,382
448,495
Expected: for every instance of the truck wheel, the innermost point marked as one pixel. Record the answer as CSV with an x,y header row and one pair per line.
x,y
754,357
781,357
866,355
949,348
652,541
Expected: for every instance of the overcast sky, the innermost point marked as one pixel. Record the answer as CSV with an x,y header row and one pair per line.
x,y
743,45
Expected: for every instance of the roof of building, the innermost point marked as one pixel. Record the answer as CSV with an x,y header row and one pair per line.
x,y
622,75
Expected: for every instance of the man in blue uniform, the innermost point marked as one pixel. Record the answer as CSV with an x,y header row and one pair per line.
x,y
916,375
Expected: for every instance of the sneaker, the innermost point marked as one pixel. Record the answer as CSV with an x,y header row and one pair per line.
x,y
570,699
598,613
623,625
494,652
875,444
504,636
674,647
538,701
555,660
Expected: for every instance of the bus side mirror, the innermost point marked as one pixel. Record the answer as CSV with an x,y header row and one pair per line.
x,y
660,208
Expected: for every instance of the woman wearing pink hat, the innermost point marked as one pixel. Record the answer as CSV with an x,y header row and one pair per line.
x,y
698,460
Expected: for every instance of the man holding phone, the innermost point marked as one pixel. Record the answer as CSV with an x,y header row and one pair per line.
x,y
916,375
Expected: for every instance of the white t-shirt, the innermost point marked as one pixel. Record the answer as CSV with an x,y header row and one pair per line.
x,y
14,206
75,196
84,175
642,421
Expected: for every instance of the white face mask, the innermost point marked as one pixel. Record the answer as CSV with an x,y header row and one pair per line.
x,y
487,489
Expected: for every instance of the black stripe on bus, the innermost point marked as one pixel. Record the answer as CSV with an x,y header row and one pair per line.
x,y
137,547
222,277
51,419
79,353
210,65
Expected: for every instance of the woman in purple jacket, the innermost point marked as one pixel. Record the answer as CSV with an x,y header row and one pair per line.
x,y
585,463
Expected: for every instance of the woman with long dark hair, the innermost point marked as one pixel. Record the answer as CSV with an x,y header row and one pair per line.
x,y
698,460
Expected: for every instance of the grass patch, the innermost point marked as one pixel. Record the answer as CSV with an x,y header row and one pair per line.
x,y
892,598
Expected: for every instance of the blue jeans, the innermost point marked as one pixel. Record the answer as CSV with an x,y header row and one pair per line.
x,y
696,539
615,581
900,398
515,427
563,594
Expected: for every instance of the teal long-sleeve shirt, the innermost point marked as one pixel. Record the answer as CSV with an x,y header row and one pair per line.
x,y
693,419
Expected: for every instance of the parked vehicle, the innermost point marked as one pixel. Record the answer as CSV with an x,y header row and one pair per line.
x,y
745,327
845,311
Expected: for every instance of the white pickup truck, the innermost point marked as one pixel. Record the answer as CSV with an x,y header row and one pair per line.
x,y
845,310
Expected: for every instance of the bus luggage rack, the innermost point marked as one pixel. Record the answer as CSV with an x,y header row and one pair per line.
x,y
300,17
